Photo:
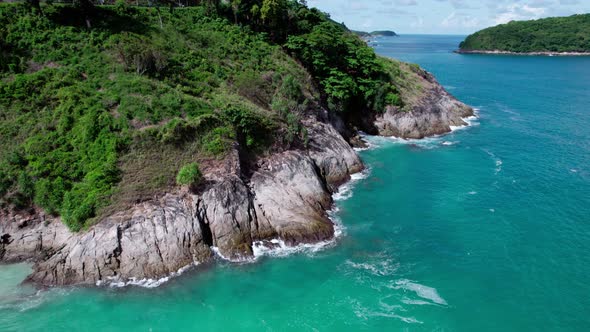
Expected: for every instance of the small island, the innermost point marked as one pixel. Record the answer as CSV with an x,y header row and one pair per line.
x,y
378,33
549,36
384,33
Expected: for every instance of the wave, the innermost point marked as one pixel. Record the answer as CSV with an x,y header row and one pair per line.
x,y
422,291
386,311
470,122
273,247
278,247
427,143
116,282
415,302
345,191
33,301
497,161
381,268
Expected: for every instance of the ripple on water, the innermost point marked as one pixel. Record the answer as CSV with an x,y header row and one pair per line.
x,y
390,296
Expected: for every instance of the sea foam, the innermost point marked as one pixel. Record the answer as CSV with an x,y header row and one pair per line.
x,y
422,291
278,248
116,282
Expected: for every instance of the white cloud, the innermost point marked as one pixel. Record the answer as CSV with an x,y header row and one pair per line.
x,y
458,20
517,11
418,23
405,2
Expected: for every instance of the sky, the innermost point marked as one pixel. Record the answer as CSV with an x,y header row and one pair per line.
x,y
442,16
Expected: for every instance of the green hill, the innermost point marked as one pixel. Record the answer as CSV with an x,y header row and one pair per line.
x,y
101,107
364,34
556,34
385,33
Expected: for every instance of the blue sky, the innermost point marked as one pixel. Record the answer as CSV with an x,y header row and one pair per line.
x,y
442,16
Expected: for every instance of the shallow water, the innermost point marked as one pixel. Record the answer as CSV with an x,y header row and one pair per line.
x,y
484,229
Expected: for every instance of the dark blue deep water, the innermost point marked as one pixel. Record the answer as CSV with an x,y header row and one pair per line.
x,y
484,229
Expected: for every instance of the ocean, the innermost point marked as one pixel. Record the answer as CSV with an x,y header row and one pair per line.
x,y
484,229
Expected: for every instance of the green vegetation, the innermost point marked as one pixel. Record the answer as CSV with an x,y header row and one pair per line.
x,y
189,175
100,107
556,34
385,33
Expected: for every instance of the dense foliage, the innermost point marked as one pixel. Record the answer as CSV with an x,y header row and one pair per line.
x,y
189,175
102,107
556,34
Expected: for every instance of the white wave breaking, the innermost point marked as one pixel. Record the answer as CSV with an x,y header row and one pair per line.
x,y
497,161
272,248
116,282
427,143
470,122
382,268
345,191
278,248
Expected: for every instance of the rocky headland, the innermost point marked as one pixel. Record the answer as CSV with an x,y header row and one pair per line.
x,y
284,196
500,52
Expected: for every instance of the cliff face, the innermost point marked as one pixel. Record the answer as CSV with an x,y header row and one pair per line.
x,y
284,196
429,109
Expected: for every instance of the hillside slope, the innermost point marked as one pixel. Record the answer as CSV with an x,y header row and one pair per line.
x,y
151,140
554,34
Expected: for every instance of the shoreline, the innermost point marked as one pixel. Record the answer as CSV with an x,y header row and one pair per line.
x,y
277,247
265,248
199,228
543,53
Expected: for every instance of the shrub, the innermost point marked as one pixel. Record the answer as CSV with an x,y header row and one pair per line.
x,y
139,54
175,131
253,130
49,194
189,175
392,99
218,140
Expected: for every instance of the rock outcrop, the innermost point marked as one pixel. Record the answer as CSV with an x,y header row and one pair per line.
x,y
429,109
285,197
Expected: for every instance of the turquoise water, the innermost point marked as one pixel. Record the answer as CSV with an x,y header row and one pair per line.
x,y
485,229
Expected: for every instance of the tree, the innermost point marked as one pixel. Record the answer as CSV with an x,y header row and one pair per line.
x,y
271,11
35,4
235,7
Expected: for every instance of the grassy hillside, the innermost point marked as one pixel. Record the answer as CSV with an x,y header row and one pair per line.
x,y
93,119
555,34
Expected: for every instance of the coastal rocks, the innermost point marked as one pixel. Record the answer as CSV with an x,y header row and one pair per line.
x,y
281,198
30,235
334,167
152,240
429,109
540,53
285,197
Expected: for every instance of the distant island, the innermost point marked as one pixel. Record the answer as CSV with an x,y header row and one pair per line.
x,y
382,33
549,36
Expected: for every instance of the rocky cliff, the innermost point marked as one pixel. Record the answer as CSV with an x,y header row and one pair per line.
x,y
429,109
283,197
